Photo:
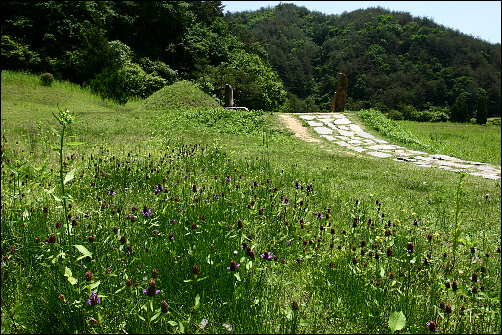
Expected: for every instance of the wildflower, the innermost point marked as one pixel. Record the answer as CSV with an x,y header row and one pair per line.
x,y
155,232
473,250
94,299
447,284
391,275
266,255
429,237
108,270
363,243
354,260
389,252
163,306
151,289
354,222
91,238
146,212
377,255
442,305
122,239
454,286
52,239
155,273
474,277
239,224
216,196
319,216
88,275
474,289
294,305
227,326
195,269
299,260
462,308
111,192
410,247
387,232
432,326
250,253
448,309
331,264
288,242
129,282
233,266
483,268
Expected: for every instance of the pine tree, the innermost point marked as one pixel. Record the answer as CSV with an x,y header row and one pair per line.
x,y
481,112
459,112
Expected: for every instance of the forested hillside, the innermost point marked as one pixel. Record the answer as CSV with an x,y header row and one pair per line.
x,y
282,58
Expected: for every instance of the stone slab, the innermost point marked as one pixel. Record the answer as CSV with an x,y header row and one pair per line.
x,y
315,124
329,137
379,154
342,121
323,130
364,134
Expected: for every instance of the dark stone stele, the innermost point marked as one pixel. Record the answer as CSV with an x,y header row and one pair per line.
x,y
340,96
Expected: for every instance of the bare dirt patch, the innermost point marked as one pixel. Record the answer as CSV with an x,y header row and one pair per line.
x,y
296,127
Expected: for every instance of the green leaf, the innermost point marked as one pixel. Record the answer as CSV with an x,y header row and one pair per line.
x,y
197,302
74,144
249,265
397,321
68,273
155,316
305,323
182,327
237,276
382,272
83,250
69,176
172,323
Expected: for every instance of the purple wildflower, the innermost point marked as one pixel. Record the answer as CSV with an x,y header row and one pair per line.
x,y
266,255
151,289
146,212
233,266
94,299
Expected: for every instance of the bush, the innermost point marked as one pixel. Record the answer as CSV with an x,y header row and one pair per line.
x,y
395,115
46,79
493,121
128,81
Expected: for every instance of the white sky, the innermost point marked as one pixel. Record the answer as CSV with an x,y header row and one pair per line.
x,y
476,18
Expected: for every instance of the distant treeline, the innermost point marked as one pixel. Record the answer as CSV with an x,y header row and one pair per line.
x,y
283,58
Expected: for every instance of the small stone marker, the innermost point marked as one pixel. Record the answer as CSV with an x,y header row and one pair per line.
x,y
229,96
340,96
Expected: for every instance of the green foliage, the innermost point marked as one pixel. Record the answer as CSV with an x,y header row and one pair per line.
x,y
459,112
388,128
481,112
46,79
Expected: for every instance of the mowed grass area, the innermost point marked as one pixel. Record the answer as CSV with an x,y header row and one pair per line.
x,y
323,241
466,141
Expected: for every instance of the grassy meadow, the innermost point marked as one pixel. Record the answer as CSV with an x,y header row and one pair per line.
x,y
147,218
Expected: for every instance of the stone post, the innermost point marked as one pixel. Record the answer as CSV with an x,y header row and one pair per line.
x,y
229,96
340,96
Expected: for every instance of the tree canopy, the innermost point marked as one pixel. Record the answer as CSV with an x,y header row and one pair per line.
x,y
277,58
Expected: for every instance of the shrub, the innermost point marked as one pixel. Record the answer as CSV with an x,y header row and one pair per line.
x,y
46,79
395,115
128,81
493,121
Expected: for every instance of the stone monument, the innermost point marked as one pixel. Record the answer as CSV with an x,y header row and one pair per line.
x,y
229,96
340,96
229,99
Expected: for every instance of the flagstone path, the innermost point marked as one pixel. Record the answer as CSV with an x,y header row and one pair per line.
x,y
338,129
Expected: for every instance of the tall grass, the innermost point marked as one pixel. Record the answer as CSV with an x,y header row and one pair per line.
x,y
356,244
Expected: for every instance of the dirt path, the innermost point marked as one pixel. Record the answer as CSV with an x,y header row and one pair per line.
x,y
296,126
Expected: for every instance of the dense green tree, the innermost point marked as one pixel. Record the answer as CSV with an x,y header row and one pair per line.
x,y
459,112
481,113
